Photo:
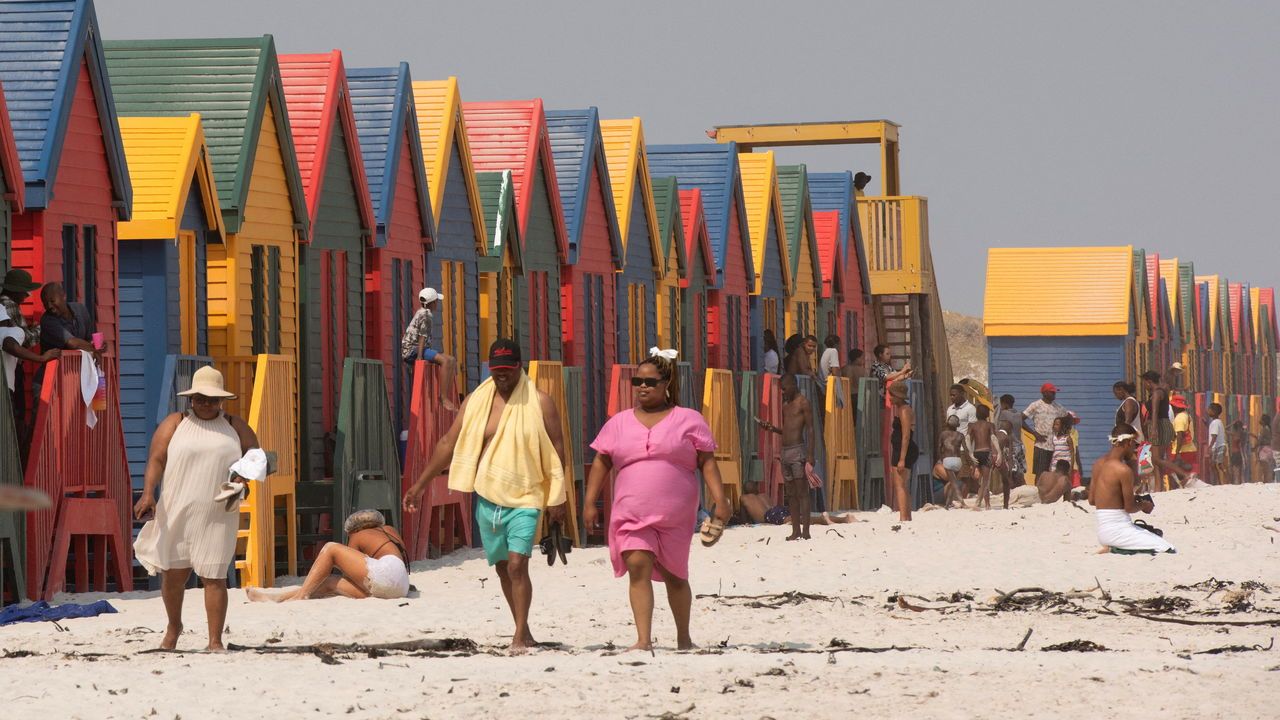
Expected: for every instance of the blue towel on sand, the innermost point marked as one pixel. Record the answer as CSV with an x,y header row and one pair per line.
x,y
40,611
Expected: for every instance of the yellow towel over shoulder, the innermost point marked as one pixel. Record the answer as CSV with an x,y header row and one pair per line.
x,y
520,467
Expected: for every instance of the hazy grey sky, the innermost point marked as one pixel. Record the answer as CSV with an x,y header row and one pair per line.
x,y
1025,123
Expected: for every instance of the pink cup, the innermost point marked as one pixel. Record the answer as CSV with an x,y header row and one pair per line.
x,y
97,340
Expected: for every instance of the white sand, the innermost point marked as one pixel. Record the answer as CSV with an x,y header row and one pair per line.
x,y
960,669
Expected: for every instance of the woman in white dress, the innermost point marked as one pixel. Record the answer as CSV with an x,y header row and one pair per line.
x,y
192,453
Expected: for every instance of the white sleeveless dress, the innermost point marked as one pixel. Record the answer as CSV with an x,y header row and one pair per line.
x,y
190,530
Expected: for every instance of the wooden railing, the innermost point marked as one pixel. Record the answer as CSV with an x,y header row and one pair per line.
x,y
238,375
12,524
575,415
842,460
444,517
720,408
84,470
269,386
895,233
548,376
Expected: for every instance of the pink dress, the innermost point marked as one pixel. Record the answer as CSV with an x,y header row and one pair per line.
x,y
655,495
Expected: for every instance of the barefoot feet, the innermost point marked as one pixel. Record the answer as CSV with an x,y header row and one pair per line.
x,y
170,640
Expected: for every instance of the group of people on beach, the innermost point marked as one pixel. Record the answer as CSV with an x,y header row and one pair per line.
x,y
505,448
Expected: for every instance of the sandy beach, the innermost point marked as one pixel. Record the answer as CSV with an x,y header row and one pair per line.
x,y
845,647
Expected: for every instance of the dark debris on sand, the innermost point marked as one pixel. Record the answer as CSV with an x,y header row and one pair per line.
x,y
1075,646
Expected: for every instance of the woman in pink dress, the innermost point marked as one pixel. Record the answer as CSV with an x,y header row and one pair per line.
x,y
656,449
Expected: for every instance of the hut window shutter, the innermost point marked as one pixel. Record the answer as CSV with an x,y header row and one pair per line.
x,y
90,271
187,290
258,297
273,295
70,262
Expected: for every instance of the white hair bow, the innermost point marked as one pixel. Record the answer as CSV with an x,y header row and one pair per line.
x,y
669,353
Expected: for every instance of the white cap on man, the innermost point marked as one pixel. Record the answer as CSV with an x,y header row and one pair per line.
x,y
429,295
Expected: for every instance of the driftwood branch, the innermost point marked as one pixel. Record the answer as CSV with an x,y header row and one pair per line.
x,y
1180,621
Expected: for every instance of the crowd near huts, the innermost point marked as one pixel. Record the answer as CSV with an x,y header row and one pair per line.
x,y
1085,318
276,215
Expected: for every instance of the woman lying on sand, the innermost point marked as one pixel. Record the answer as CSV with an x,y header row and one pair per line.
x,y
373,563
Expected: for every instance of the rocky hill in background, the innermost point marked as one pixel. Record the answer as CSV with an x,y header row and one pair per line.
x,y
968,346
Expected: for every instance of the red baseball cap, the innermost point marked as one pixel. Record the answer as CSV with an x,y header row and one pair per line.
x,y
1048,387
1178,401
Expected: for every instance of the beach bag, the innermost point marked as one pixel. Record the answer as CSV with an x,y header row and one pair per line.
x,y
1145,465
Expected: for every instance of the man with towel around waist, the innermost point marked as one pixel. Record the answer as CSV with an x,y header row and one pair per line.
x,y
505,446
1111,494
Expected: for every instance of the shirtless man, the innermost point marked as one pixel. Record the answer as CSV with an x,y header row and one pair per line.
x,y
951,448
507,516
986,452
797,451
1111,494
1051,486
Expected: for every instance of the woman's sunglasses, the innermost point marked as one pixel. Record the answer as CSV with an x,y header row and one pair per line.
x,y
645,382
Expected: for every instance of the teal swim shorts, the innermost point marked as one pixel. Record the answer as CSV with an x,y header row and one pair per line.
x,y
505,530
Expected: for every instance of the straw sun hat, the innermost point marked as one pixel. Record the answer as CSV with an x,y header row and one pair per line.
x,y
208,382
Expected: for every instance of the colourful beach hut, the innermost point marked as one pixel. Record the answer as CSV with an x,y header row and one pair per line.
x,y
163,265
826,231
331,265
503,264
460,236
12,186
395,267
834,191
67,138
700,277
671,315
714,171
773,287
642,248
589,275
1142,358
234,84
802,251
513,136
1214,344
1079,335
1268,339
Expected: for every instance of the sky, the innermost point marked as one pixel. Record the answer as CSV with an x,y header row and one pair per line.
x,y
1152,124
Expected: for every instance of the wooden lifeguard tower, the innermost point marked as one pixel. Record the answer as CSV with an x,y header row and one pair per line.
x,y
895,230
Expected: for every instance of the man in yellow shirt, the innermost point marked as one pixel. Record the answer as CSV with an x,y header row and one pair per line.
x,y
1184,444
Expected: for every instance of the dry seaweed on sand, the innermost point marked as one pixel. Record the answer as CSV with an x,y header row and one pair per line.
x,y
1159,604
1237,648
834,646
1075,646
328,652
773,601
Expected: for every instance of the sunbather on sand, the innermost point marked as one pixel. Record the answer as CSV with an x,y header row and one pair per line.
x,y
755,508
373,563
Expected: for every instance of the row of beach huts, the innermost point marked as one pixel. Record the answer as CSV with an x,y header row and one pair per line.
x,y
214,201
